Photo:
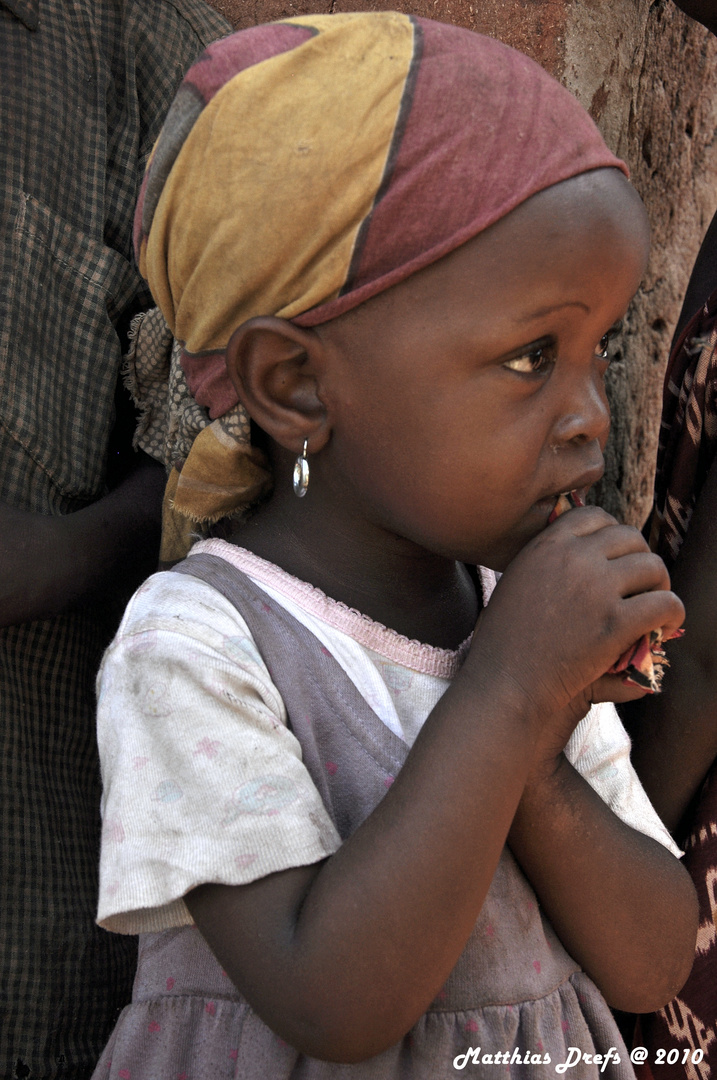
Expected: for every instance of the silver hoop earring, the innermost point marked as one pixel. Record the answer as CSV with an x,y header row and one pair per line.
x,y
301,473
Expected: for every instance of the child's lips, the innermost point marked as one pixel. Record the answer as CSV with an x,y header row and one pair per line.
x,y
576,492
570,498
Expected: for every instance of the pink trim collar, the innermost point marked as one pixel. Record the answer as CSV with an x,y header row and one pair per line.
x,y
426,659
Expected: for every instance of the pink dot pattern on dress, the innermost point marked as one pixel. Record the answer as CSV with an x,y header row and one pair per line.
x,y
242,861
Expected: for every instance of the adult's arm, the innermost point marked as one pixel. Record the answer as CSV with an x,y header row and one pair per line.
x,y
675,733
704,11
703,280
50,564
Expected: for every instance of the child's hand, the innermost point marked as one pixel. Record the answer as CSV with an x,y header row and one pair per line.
x,y
569,604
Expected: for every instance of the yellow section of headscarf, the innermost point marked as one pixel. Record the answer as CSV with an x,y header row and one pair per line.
x,y
219,468
249,222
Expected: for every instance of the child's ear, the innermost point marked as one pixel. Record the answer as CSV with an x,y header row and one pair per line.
x,y
275,368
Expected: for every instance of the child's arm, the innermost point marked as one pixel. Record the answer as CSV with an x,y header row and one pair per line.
x,y
342,958
596,878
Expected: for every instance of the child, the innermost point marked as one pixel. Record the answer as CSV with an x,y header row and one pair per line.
x,y
399,248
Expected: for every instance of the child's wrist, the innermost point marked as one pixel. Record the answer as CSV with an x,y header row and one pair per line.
x,y
508,700
511,689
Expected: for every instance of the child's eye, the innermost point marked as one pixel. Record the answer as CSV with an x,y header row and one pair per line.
x,y
602,346
535,361
604,343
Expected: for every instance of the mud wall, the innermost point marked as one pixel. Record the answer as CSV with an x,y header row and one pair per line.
x,y
647,74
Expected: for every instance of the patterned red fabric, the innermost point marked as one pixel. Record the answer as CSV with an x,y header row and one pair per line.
x,y
688,439
688,432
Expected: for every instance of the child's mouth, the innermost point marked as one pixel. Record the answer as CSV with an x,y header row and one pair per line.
x,y
568,500
557,503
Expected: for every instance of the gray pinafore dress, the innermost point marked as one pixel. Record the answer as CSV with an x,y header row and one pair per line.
x,y
514,992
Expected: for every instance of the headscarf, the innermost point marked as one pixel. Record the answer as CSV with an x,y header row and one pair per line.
x,y
308,165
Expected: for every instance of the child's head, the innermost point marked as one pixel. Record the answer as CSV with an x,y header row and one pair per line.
x,y
374,179
453,408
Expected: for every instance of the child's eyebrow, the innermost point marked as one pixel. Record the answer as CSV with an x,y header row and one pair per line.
x,y
553,307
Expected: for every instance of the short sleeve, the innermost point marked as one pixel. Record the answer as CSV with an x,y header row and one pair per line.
x,y
599,749
202,779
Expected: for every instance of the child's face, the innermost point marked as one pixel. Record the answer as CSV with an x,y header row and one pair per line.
x,y
464,400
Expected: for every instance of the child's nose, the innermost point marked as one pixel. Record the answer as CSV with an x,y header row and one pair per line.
x,y
585,414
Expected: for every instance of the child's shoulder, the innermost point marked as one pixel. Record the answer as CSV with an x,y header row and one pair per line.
x,y
179,619
179,603
182,634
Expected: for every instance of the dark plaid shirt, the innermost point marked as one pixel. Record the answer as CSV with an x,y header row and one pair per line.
x,y
85,85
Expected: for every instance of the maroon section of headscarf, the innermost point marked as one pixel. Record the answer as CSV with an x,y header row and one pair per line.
x,y
481,129
226,58
209,382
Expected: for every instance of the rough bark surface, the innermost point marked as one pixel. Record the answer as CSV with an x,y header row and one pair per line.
x,y
647,74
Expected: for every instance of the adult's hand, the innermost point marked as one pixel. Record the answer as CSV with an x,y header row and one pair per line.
x,y
51,564
704,11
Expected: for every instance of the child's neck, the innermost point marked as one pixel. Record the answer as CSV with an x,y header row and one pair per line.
x,y
423,596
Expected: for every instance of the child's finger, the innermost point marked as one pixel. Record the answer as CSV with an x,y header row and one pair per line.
x,y
658,608
583,521
613,538
614,688
640,572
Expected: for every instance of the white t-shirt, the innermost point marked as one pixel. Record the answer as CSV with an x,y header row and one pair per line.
x,y
203,781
